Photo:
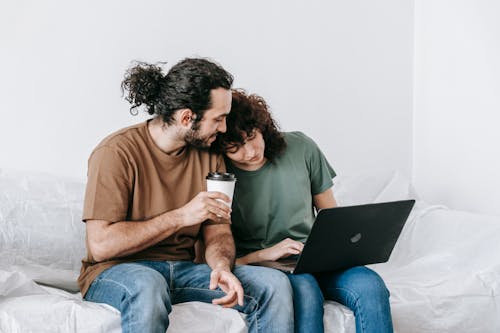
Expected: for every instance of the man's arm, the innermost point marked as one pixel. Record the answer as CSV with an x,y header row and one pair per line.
x,y
107,240
219,254
219,246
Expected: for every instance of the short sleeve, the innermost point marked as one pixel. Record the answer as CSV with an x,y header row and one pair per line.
x,y
108,190
321,172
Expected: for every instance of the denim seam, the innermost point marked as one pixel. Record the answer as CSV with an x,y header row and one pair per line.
x,y
257,316
194,288
127,299
117,283
356,305
171,266
257,313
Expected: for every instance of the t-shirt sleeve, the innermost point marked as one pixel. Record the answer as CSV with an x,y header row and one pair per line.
x,y
108,190
321,172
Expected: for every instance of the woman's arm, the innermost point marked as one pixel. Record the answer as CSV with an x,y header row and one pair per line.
x,y
283,249
288,247
324,200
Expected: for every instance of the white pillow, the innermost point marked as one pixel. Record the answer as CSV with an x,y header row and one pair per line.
x,y
372,187
41,233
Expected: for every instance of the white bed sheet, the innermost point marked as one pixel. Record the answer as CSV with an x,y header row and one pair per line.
x,y
28,307
443,274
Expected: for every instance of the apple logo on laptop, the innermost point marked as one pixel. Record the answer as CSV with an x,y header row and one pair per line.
x,y
355,238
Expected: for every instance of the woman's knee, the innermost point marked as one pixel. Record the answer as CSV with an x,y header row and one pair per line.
x,y
306,286
364,282
307,295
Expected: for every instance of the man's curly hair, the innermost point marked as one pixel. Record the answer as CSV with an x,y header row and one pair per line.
x,y
187,85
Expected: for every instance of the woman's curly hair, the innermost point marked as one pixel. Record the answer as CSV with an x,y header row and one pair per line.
x,y
186,85
248,113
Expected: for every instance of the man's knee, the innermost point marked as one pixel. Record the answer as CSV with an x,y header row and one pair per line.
x,y
131,285
152,291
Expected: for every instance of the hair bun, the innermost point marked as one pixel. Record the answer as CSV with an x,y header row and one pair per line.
x,y
144,85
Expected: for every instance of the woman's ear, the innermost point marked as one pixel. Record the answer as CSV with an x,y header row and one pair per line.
x,y
186,117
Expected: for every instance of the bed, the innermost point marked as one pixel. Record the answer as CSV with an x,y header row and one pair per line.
x,y
443,274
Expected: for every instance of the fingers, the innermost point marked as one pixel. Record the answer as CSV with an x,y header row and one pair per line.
x,y
216,207
219,195
293,244
228,301
241,295
220,211
298,246
288,252
290,247
230,285
236,286
293,251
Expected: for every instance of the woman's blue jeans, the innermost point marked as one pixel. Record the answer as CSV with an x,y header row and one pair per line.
x,y
359,288
144,292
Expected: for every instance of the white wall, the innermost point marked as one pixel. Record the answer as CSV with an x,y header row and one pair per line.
x,y
338,70
457,103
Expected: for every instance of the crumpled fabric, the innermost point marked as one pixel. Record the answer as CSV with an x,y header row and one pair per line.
x,y
41,232
443,274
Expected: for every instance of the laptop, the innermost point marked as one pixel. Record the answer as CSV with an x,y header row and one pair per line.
x,y
348,236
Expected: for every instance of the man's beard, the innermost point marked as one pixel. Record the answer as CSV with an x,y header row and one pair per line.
x,y
193,139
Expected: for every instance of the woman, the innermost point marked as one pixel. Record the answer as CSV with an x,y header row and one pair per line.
x,y
283,178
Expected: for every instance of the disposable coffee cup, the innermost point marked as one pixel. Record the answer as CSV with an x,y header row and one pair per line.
x,y
221,182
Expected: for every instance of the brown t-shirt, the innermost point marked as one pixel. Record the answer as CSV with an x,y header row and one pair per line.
x,y
131,179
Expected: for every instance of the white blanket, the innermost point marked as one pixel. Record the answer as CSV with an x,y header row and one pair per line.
x,y
443,274
28,307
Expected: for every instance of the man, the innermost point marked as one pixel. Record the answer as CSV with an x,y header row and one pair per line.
x,y
145,206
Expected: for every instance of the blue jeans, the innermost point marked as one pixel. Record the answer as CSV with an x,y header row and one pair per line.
x,y
144,292
307,303
359,288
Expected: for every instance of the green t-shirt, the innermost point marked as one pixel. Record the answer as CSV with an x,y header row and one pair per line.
x,y
276,201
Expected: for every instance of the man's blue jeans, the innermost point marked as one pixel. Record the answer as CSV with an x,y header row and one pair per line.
x,y
359,288
144,292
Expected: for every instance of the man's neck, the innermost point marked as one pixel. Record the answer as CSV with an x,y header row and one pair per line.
x,y
166,137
